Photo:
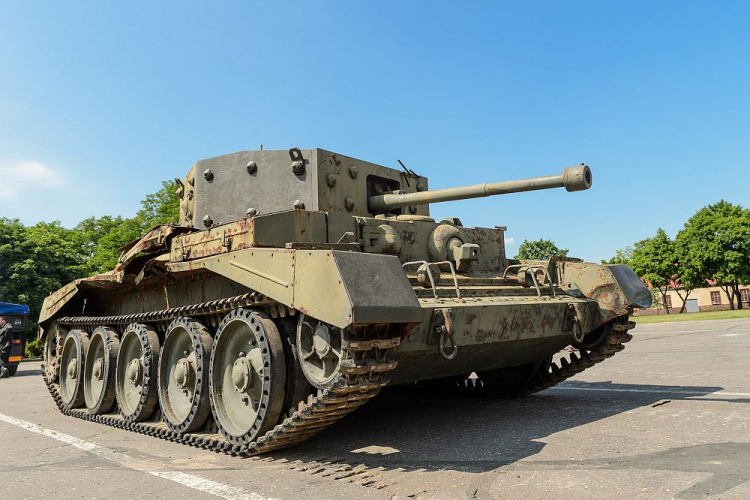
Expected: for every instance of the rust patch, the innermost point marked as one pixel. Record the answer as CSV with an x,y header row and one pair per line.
x,y
409,237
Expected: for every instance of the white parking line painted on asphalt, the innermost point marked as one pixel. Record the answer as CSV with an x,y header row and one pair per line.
x,y
649,391
189,480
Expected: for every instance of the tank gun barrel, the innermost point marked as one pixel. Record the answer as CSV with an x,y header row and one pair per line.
x,y
572,179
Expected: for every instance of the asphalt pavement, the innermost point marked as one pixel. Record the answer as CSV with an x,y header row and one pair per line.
x,y
669,417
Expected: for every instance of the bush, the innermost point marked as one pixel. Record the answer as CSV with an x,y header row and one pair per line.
x,y
34,349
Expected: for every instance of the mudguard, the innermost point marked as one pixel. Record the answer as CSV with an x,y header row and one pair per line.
x,y
616,288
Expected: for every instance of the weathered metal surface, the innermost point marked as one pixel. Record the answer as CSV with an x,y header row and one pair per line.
x,y
572,179
154,241
337,287
54,302
632,286
225,189
599,283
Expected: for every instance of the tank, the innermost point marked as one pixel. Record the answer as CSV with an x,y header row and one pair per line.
x,y
299,283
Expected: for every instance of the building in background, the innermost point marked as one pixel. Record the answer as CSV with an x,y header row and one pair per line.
x,y
710,298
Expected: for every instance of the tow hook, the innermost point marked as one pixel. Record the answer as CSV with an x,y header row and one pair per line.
x,y
446,334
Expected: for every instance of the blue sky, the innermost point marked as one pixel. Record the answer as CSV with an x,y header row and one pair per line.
x,y
100,101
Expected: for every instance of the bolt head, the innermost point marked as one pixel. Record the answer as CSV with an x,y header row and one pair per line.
x,y
182,373
99,369
299,204
208,175
298,167
353,171
208,221
252,167
331,180
349,203
420,186
251,212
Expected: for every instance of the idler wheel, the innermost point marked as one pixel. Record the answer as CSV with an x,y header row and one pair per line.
x,y
137,368
99,370
75,345
183,375
319,350
247,376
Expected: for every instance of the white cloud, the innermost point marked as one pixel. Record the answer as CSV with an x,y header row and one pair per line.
x,y
24,176
510,240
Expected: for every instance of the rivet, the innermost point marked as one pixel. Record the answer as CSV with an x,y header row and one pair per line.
x,y
252,167
208,175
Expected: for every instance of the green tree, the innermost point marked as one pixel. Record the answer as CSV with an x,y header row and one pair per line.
x,y
39,259
161,207
102,238
715,243
622,256
35,261
539,250
655,261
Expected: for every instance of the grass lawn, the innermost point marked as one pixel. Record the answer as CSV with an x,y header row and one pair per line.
x,y
664,318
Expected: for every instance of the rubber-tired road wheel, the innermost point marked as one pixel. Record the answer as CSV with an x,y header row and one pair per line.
x,y
247,376
74,349
183,375
99,370
137,365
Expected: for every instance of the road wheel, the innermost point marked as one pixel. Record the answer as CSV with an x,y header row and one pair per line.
x,y
71,373
320,352
99,370
247,376
183,375
137,368
52,349
12,370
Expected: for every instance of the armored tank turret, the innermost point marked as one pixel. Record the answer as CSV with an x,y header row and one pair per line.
x,y
299,283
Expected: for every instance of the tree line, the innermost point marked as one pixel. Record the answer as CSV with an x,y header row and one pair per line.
x,y
713,248
37,260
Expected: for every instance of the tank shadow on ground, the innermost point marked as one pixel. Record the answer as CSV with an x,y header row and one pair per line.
x,y
412,429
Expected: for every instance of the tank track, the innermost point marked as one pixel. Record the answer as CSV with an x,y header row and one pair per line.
x,y
361,378
561,370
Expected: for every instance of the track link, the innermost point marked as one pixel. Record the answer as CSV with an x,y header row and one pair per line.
x,y
361,379
558,371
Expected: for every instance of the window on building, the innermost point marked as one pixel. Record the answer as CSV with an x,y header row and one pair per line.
x,y
745,294
668,300
715,298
